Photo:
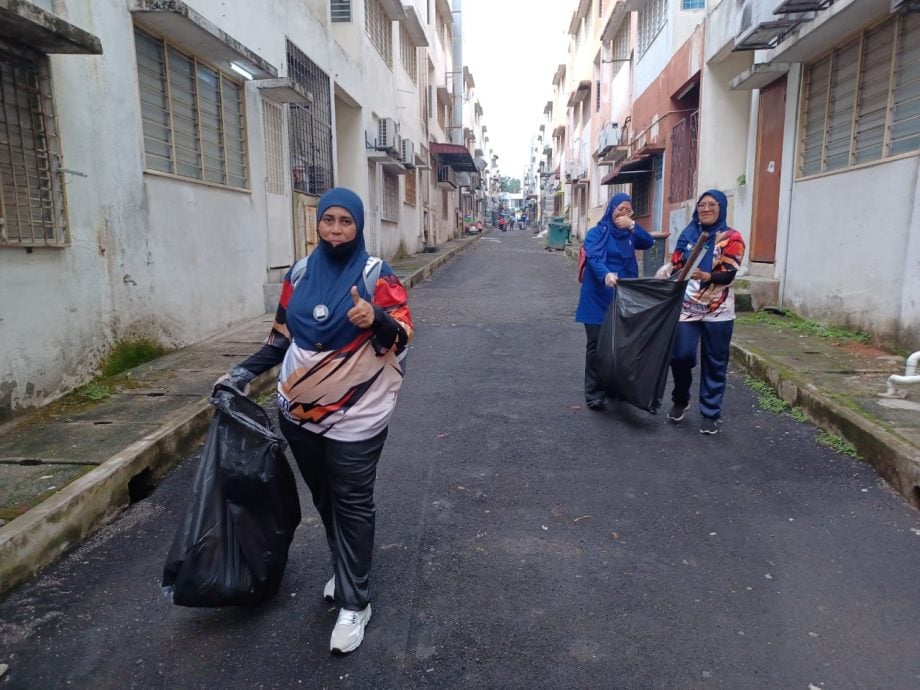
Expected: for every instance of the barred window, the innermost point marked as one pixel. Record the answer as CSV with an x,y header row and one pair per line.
x,y
621,43
341,10
693,4
273,131
861,103
310,126
390,210
408,54
411,193
379,28
31,194
652,16
642,194
193,117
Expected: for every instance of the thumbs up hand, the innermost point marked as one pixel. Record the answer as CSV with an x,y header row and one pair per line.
x,y
362,314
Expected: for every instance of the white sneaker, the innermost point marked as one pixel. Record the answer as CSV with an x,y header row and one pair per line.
x,y
329,590
348,632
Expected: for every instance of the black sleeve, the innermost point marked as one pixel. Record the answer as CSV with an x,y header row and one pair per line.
x,y
387,332
262,360
722,277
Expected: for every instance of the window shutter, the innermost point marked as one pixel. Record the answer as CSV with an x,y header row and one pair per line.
x,y
840,107
341,10
209,121
815,116
184,114
905,124
874,79
151,72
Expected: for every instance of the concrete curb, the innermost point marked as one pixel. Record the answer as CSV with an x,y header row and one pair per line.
x,y
39,536
897,461
420,274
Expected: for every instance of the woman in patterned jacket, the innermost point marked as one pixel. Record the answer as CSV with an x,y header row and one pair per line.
x,y
340,327
707,317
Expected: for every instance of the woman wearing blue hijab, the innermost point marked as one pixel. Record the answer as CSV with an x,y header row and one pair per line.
x,y
342,321
707,316
610,254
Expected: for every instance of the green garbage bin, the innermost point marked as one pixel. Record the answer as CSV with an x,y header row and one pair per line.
x,y
558,233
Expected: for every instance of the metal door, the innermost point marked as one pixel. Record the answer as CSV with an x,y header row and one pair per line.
x,y
771,116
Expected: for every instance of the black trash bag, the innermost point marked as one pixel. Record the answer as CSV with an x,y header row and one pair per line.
x,y
636,338
232,546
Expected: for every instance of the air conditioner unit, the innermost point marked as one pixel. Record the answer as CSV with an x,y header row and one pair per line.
x,y
608,138
388,135
408,152
447,177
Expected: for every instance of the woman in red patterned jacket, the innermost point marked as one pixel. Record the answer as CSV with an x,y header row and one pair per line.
x,y
342,323
708,314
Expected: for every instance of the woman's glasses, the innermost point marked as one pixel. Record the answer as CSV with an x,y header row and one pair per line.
x,y
625,211
707,205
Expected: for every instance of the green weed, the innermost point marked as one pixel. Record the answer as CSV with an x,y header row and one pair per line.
x,y
128,354
768,400
836,443
95,391
797,323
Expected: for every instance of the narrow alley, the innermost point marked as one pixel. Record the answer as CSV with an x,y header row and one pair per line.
x,y
524,541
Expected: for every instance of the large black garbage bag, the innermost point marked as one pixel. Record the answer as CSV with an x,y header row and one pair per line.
x,y
232,545
636,338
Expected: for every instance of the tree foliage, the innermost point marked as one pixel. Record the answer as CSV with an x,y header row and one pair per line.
x,y
511,185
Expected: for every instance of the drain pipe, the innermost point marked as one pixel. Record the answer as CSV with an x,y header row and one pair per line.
x,y
910,376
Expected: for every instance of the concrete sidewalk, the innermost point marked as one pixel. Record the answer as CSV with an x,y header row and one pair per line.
x,y
67,467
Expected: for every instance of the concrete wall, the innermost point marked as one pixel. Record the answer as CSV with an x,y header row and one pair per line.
x,y
845,260
165,258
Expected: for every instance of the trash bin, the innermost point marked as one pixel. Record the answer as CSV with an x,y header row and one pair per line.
x,y
558,233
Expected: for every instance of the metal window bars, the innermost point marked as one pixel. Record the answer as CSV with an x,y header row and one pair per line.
x,y
31,195
310,126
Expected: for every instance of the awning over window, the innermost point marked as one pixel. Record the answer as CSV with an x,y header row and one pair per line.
x,y
579,93
46,32
629,170
180,24
454,155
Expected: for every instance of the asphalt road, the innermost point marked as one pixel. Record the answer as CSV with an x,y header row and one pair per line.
x,y
524,541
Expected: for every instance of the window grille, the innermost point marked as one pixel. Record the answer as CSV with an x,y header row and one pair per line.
x,y
341,10
193,117
411,192
652,16
693,4
379,28
310,126
641,194
390,210
621,43
408,54
273,131
31,195
861,103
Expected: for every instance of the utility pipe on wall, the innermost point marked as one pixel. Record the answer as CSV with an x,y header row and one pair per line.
x,y
910,377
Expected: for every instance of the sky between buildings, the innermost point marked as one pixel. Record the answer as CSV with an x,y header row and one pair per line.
x,y
513,48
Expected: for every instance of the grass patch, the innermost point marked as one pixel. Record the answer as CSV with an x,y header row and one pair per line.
x,y
768,400
797,323
128,354
836,443
94,391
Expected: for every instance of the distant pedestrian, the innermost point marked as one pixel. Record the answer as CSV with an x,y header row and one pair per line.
x,y
707,318
501,223
338,331
610,254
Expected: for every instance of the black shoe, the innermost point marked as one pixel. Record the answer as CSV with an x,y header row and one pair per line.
x,y
676,413
709,425
597,405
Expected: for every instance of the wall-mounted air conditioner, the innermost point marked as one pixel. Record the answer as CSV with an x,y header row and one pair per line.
x,y
408,152
388,135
